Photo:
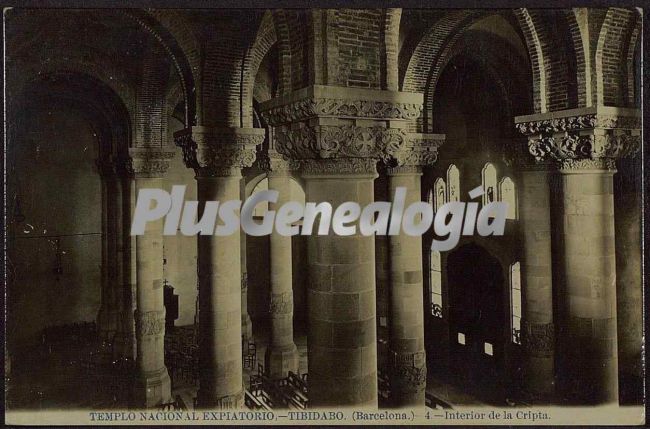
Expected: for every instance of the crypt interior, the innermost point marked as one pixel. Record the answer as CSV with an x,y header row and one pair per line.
x,y
540,107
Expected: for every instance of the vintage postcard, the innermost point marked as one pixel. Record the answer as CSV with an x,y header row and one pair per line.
x,y
315,214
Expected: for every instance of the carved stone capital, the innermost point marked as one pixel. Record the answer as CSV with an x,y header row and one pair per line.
x,y
419,150
590,138
219,151
408,371
338,141
276,164
538,339
147,162
150,322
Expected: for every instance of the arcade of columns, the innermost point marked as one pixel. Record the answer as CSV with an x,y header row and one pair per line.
x,y
335,137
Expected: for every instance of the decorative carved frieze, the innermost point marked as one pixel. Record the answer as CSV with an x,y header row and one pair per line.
x,y
281,303
304,109
146,162
150,322
219,151
338,166
338,141
244,282
588,141
538,338
578,122
408,371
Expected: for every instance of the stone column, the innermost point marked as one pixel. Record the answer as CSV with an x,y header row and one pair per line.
x,y
246,322
126,339
339,134
153,386
586,144
109,313
217,156
282,355
537,328
407,358
342,339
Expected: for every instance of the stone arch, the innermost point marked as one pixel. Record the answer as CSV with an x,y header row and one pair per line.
x,y
549,70
496,66
576,22
181,29
612,57
265,39
183,60
105,109
291,28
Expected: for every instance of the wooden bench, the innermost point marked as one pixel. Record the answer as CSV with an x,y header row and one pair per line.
x,y
435,403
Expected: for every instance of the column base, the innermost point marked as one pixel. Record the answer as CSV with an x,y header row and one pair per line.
x,y
279,361
205,400
153,389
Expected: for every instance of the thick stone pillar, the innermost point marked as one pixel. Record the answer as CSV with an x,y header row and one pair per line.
x,y
153,386
281,355
217,156
246,322
537,328
342,339
109,313
407,358
589,267
585,143
339,134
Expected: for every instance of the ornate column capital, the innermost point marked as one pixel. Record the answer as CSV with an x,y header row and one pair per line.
x,y
321,101
276,164
324,123
218,151
420,150
146,162
588,138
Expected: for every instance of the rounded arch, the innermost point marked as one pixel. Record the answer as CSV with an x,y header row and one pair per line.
x,y
421,62
264,41
614,64
91,97
176,54
495,57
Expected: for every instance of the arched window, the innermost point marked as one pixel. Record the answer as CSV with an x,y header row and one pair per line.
x,y
515,301
489,178
430,198
508,194
453,183
440,193
435,283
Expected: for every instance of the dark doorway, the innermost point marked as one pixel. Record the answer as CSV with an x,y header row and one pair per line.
x,y
477,320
